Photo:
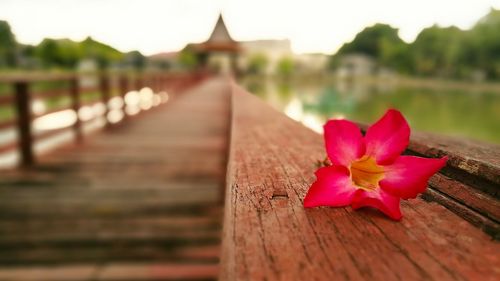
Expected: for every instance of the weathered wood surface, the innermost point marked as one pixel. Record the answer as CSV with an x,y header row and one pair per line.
x,y
476,158
268,235
470,183
140,201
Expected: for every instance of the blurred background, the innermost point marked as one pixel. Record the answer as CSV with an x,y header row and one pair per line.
x,y
152,191
438,62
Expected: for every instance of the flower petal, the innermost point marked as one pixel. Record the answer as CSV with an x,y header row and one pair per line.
x,y
378,199
344,142
408,175
388,137
332,187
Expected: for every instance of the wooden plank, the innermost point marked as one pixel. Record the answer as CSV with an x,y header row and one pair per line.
x,y
469,183
112,272
476,158
5,124
34,76
7,99
268,235
473,205
158,272
51,93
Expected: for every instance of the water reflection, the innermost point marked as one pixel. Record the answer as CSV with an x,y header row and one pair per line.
x,y
93,117
134,102
458,112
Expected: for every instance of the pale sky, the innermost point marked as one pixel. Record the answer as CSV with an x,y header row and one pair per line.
x,y
153,26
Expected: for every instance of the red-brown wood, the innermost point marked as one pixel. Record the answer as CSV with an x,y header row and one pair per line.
x,y
137,202
24,123
7,124
269,235
124,88
75,105
105,95
52,93
7,99
468,185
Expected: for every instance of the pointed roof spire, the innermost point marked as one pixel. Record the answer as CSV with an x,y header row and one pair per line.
x,y
220,33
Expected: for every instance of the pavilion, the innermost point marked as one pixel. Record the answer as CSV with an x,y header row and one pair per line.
x,y
220,51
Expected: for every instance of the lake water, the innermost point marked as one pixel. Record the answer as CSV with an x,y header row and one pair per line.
x,y
473,114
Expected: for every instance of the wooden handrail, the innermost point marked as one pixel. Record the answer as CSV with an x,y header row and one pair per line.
x,y
23,97
269,235
7,99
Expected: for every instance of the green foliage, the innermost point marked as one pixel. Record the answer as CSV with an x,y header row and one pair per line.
x,y
257,63
8,46
136,60
62,53
188,58
285,66
481,48
437,51
380,41
55,53
371,40
103,54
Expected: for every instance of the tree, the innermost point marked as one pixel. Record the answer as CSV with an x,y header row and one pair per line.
x,y
8,46
435,51
188,58
285,66
135,59
481,48
62,53
257,63
380,41
372,40
103,54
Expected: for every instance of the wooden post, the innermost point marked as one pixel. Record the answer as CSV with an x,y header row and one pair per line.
x,y
138,82
163,82
123,91
105,94
75,104
159,82
24,123
152,82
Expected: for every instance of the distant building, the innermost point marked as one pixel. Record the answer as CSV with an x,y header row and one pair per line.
x,y
273,50
166,60
220,51
356,65
87,67
311,63
224,54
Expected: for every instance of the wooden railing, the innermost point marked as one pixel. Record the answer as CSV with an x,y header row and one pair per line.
x,y
21,94
269,235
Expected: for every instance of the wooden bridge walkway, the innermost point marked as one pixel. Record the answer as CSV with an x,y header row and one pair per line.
x,y
140,201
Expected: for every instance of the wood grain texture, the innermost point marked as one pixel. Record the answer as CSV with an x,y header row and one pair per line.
x,y
476,158
469,184
268,235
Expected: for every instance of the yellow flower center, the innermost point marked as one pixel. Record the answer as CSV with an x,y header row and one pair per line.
x,y
366,174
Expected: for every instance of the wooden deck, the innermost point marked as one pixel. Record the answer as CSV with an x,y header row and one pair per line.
x,y
140,201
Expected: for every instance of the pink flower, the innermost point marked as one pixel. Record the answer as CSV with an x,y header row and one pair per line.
x,y
368,171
